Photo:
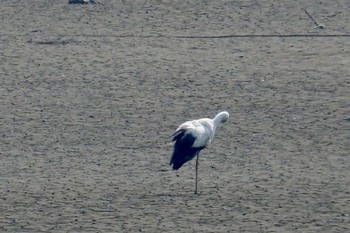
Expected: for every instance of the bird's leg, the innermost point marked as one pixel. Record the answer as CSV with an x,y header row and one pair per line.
x,y
196,185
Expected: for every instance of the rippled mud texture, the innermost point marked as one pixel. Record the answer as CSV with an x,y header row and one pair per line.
x,y
90,95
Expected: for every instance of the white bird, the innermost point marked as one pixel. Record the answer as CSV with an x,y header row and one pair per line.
x,y
193,136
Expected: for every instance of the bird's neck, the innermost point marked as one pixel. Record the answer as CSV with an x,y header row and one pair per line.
x,y
216,123
218,119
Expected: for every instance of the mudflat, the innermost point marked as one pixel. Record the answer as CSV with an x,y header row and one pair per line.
x,y
91,94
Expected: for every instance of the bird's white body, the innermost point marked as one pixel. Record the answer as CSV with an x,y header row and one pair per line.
x,y
203,129
193,136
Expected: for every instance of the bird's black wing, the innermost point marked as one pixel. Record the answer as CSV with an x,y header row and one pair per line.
x,y
183,150
178,134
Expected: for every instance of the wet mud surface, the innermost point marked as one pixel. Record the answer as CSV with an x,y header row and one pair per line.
x,y
90,95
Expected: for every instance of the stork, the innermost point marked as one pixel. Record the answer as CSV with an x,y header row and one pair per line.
x,y
193,136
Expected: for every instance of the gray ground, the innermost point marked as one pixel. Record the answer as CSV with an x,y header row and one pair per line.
x,y
90,95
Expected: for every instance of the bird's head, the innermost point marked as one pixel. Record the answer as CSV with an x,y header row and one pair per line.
x,y
222,117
